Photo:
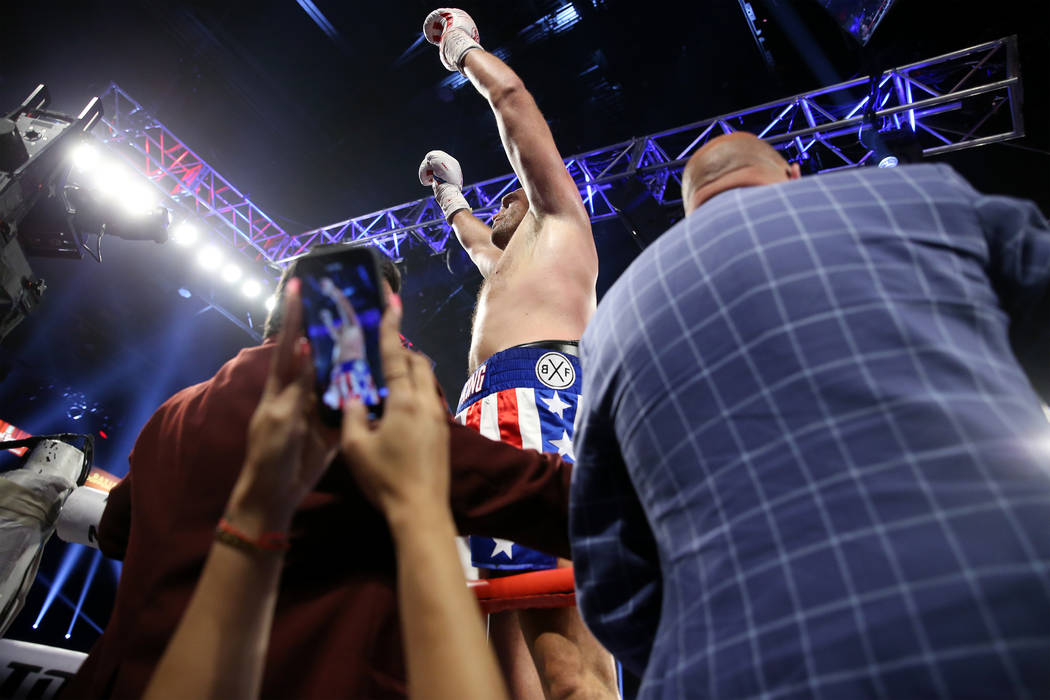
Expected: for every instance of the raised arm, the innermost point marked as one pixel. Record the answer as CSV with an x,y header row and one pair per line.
x,y
442,172
526,137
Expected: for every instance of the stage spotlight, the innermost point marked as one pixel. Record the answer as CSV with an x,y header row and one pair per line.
x,y
251,288
111,179
210,257
231,273
185,234
150,225
138,198
896,147
185,293
85,156
271,302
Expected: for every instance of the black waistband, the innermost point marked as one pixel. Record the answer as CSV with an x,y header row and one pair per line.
x,y
567,347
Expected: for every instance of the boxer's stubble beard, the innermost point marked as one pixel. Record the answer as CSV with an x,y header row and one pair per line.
x,y
504,228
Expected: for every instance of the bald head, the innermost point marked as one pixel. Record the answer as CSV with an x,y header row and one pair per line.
x,y
734,160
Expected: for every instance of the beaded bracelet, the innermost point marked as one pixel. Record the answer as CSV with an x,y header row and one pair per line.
x,y
266,542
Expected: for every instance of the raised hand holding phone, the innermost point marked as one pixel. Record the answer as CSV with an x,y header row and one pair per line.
x,y
401,462
286,452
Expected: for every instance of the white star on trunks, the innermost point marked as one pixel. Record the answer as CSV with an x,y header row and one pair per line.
x,y
564,445
502,546
556,405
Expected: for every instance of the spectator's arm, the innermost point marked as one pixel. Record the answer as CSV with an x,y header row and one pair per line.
x,y
403,467
502,491
219,646
1019,268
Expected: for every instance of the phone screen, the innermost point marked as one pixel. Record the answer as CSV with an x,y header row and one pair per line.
x,y
342,306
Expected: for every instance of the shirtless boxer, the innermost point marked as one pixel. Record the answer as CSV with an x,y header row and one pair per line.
x,y
540,266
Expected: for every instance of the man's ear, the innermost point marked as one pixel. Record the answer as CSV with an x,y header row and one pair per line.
x,y
687,201
794,171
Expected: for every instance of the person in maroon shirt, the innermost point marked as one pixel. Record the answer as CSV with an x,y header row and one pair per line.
x,y
336,629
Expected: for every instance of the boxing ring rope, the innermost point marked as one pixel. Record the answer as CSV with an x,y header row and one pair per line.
x,y
536,589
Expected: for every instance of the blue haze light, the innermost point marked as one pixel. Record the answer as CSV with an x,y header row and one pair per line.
x,y
83,591
561,20
319,19
564,17
65,567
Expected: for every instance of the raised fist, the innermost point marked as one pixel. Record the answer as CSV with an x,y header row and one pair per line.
x,y
440,167
455,32
441,171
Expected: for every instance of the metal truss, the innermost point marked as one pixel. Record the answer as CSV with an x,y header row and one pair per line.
x,y
960,100
184,177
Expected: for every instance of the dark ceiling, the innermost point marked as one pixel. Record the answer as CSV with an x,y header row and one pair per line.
x,y
319,126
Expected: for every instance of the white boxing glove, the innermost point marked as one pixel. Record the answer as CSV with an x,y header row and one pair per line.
x,y
454,32
442,172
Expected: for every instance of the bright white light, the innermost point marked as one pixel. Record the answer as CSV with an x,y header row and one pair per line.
x,y
270,303
251,288
1041,445
231,273
112,179
138,198
85,156
889,162
185,234
210,257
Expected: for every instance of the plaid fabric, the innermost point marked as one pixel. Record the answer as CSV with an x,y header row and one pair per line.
x,y
811,462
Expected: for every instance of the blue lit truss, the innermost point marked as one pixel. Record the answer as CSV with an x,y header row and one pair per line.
x,y
960,100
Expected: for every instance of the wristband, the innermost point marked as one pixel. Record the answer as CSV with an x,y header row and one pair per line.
x,y
266,542
450,198
455,44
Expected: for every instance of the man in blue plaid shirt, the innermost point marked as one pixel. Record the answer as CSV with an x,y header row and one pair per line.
x,y
813,460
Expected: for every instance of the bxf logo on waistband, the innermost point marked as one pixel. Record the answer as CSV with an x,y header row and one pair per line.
x,y
555,370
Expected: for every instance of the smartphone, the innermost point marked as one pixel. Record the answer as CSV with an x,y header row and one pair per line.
x,y
343,301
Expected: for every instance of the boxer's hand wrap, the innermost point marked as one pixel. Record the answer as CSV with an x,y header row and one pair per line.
x,y
442,172
454,32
